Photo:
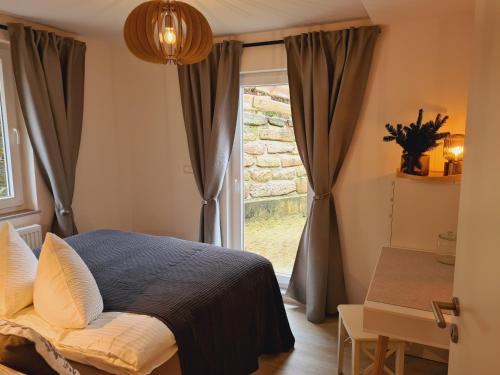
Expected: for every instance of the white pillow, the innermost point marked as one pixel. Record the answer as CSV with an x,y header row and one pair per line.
x,y
17,271
66,294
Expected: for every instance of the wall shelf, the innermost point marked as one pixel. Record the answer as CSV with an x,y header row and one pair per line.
x,y
434,176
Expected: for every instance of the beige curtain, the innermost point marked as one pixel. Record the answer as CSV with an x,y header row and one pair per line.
x,y
210,95
49,72
327,74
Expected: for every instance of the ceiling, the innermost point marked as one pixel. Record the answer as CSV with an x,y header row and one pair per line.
x,y
105,18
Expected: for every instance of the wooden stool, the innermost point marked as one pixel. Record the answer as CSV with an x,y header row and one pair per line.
x,y
351,328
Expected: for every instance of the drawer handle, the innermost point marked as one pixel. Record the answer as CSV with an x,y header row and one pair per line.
x,y
437,308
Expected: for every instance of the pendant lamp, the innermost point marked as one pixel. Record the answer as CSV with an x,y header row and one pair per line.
x,y
168,32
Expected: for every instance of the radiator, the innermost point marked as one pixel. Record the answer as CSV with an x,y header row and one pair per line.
x,y
32,235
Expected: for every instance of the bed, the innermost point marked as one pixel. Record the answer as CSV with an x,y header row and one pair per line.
x,y
224,307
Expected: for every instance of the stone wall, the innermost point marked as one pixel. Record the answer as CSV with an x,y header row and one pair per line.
x,y
272,163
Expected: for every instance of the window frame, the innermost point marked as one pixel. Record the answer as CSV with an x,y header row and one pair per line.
x,y
9,119
231,199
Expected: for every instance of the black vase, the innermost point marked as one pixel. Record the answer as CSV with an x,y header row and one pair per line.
x,y
417,165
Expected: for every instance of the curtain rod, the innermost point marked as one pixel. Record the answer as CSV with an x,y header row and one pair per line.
x,y
266,43
245,45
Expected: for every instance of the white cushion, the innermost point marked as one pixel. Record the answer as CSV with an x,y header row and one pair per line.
x,y
118,343
66,293
17,271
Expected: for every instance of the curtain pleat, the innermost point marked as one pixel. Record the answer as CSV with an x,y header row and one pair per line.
x,y
210,96
49,72
327,73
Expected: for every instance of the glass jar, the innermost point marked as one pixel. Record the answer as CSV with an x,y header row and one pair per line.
x,y
446,247
415,165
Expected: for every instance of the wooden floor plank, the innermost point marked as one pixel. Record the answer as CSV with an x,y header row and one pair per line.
x,y
315,351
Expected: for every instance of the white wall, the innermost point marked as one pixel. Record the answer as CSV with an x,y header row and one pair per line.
x,y
142,92
101,197
418,63
185,206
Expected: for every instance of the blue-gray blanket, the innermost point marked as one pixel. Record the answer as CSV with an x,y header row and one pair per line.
x,y
223,306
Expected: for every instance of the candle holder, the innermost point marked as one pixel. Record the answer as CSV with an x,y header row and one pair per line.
x,y
453,152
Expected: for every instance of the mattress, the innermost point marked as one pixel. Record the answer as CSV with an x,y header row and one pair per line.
x,y
118,343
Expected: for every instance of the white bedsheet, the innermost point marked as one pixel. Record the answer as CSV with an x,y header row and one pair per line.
x,y
119,343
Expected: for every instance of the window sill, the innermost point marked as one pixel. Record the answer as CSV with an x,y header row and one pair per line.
x,y
18,214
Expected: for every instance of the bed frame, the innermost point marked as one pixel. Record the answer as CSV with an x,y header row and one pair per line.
x,y
171,367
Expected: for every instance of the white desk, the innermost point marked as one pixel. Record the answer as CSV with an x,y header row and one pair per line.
x,y
398,303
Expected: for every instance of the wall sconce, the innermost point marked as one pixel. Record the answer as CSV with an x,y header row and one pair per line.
x,y
453,152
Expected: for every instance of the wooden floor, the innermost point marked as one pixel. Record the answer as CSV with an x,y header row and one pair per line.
x,y
315,351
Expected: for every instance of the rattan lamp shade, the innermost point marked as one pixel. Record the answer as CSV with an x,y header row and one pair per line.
x,y
165,32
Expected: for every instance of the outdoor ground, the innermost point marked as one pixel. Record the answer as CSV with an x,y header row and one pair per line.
x,y
275,238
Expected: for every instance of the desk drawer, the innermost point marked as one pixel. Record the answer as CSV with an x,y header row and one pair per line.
x,y
419,327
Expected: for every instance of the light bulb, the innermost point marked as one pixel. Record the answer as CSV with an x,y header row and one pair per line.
x,y
170,37
454,147
457,151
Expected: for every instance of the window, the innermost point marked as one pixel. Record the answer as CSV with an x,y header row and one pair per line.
x,y
274,179
266,195
11,184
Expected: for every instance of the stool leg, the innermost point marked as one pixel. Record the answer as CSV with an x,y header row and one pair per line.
x,y
380,351
400,359
341,346
355,356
